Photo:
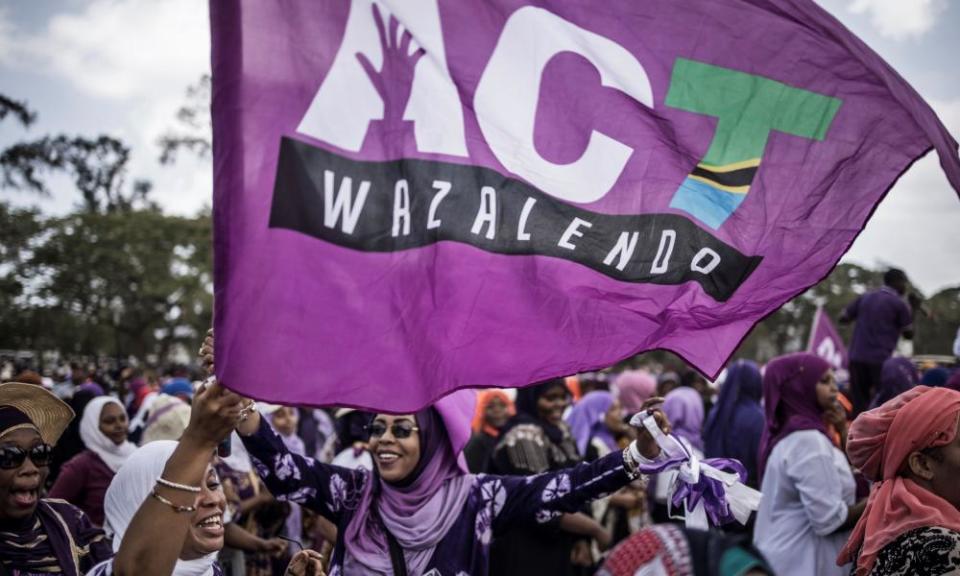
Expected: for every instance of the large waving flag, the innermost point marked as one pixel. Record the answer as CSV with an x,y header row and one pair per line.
x,y
414,196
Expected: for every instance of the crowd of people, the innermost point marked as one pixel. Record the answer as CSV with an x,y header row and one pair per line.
x,y
179,477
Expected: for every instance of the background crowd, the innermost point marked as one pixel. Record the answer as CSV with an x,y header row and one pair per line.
x,y
837,497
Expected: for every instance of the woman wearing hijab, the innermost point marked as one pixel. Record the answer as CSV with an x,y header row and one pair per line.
x,y
494,409
809,492
419,512
633,388
736,423
535,441
595,421
168,418
38,536
84,479
896,377
165,505
597,425
684,409
70,444
910,448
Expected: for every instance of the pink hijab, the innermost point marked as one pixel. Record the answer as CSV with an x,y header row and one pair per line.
x,y
633,388
879,443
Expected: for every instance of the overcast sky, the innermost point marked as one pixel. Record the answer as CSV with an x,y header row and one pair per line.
x,y
122,67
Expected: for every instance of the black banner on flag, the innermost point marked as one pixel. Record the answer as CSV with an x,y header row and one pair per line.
x,y
410,203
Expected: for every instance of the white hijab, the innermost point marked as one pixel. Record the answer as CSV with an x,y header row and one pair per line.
x,y
131,486
112,455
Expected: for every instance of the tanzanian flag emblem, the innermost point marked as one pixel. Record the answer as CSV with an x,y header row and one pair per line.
x,y
747,107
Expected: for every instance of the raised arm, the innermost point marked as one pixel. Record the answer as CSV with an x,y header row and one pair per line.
x,y
154,538
323,488
545,497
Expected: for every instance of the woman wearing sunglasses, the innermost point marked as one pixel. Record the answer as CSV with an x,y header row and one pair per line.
x,y
419,513
419,510
38,536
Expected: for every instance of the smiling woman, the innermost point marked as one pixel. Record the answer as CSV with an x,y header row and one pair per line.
x,y
165,506
38,536
85,477
419,512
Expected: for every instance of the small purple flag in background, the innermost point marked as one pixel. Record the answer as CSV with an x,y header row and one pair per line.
x,y
826,342
415,196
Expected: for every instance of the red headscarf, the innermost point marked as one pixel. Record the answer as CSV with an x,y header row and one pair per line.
x,y
484,397
879,443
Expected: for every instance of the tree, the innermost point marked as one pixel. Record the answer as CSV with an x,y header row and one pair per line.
x,y
97,165
117,276
120,283
194,132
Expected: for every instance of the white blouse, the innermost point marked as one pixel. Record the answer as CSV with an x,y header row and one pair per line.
x,y
807,487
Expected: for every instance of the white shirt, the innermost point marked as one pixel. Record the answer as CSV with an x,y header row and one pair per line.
x,y
807,487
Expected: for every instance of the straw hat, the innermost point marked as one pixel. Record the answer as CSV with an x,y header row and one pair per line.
x,y
47,412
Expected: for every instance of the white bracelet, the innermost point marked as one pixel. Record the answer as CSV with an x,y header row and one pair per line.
x,y
192,489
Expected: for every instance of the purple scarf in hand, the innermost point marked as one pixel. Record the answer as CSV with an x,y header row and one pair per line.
x,y
790,399
420,512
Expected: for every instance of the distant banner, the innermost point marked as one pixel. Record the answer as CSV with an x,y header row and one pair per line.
x,y
415,196
826,342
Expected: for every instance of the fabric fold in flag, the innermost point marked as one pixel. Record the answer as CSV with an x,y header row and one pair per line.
x,y
417,196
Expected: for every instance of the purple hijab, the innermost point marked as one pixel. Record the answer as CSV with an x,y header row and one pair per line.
x,y
421,510
790,400
586,420
896,377
683,407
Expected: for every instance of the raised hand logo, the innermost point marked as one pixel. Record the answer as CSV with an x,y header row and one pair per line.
x,y
394,80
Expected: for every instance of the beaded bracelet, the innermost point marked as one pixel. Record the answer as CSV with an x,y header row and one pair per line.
x,y
247,410
630,464
183,487
176,508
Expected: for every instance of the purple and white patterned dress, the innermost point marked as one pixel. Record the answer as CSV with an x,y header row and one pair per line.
x,y
496,503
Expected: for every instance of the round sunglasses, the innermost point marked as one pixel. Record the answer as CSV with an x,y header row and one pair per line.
x,y
13,457
400,430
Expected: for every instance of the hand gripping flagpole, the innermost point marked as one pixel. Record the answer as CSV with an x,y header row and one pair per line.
x,y
709,491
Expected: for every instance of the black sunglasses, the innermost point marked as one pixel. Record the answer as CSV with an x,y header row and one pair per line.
x,y
400,430
13,457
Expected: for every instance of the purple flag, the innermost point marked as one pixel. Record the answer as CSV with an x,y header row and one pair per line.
x,y
826,342
414,196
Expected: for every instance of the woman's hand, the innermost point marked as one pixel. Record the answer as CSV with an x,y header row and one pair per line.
x,y
206,353
306,563
836,415
215,413
646,444
250,420
275,547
